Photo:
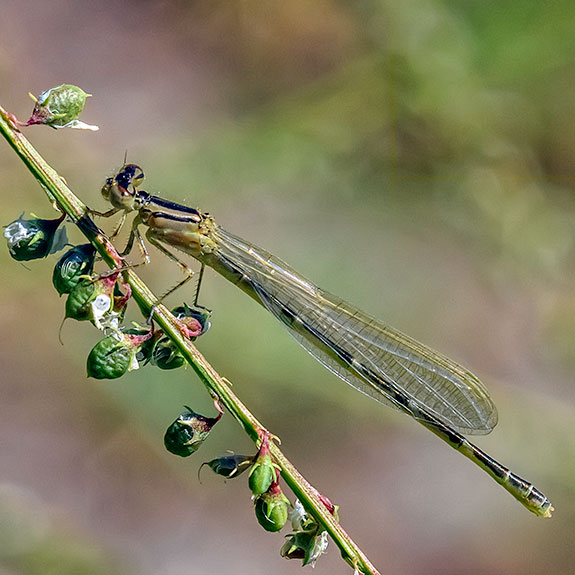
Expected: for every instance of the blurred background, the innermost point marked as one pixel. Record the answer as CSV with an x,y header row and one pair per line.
x,y
416,158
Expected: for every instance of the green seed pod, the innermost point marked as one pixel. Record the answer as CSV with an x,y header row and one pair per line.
x,y
230,466
109,358
34,239
272,509
262,475
298,545
72,265
305,545
185,435
114,355
166,355
93,300
78,303
60,107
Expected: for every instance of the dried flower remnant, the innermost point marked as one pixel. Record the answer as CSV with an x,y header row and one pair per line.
x,y
193,320
308,541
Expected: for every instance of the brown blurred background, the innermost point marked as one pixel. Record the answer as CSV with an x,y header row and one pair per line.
x,y
415,157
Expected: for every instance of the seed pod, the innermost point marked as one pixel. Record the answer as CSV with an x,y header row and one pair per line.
x,y
166,355
36,238
305,545
114,355
78,303
263,472
297,545
74,264
60,107
93,300
144,354
272,509
309,540
261,477
230,466
188,432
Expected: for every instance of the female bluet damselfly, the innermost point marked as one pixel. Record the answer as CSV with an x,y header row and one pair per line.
x,y
372,357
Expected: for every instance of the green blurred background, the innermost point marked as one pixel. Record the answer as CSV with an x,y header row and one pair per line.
x,y
414,157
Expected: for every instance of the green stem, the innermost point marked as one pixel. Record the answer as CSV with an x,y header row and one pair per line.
x,y
59,194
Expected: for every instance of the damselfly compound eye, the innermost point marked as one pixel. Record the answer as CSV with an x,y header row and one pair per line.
x,y
107,188
130,174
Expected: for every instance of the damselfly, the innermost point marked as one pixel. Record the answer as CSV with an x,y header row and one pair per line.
x,y
373,358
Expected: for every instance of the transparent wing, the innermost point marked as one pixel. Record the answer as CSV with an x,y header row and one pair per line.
x,y
375,359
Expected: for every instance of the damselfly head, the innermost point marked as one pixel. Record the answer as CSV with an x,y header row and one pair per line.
x,y
121,189
130,174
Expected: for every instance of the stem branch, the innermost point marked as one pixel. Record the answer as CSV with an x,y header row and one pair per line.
x,y
59,194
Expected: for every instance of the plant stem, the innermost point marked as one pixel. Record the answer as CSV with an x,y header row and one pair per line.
x,y
67,202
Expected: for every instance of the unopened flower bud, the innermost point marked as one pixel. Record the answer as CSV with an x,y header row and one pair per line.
x,y
36,238
188,432
60,107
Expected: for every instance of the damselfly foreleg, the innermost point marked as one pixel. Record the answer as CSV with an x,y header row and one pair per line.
x,y
135,235
109,214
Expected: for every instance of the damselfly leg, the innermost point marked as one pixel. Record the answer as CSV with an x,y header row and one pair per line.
x,y
189,273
